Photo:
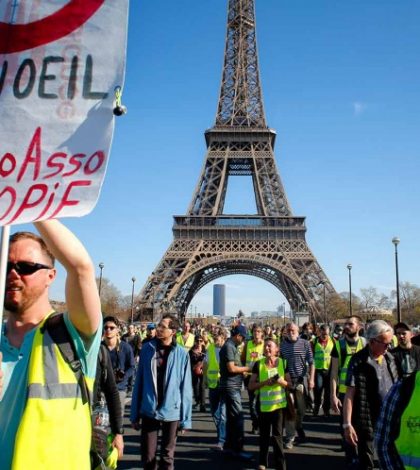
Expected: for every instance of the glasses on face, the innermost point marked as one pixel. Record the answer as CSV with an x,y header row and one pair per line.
x,y
26,268
109,328
387,345
163,327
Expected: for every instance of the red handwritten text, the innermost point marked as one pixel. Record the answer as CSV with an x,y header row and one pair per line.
x,y
44,185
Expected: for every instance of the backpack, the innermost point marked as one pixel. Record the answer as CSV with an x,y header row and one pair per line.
x,y
57,329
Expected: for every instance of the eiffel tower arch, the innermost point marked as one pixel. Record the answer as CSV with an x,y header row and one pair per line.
x,y
209,244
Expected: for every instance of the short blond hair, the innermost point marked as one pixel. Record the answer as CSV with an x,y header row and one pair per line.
x,y
36,238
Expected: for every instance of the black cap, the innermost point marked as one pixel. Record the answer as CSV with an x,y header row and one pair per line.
x,y
402,326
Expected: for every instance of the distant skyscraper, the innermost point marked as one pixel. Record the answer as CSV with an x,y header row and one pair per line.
x,y
219,300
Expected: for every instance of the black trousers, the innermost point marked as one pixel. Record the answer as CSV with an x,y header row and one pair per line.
x,y
149,440
199,389
271,429
365,452
322,384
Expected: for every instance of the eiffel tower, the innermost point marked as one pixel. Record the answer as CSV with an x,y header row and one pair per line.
x,y
209,244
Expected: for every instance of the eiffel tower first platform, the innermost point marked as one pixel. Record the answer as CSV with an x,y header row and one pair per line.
x,y
209,244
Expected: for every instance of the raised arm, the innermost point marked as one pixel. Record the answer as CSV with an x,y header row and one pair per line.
x,y
82,297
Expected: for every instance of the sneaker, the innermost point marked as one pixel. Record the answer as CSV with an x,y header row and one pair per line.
x,y
218,447
261,467
288,444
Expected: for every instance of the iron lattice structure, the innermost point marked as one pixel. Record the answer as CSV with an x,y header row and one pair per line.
x,y
209,244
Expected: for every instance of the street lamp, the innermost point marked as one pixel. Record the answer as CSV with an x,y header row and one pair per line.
x,y
349,266
101,267
395,241
291,315
133,280
324,282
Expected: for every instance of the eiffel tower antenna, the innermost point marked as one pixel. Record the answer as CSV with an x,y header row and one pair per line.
x,y
209,244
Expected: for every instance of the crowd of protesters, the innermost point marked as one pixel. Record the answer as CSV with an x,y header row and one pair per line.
x,y
291,372
368,374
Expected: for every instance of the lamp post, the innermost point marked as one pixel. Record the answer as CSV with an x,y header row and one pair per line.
x,y
284,313
349,266
101,267
133,280
291,316
395,241
324,282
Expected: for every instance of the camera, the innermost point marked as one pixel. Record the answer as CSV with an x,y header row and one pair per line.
x,y
275,378
119,375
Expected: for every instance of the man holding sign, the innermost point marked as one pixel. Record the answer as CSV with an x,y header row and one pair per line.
x,y
44,406
61,75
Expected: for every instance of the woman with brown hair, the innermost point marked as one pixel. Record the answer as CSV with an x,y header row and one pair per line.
x,y
269,378
197,355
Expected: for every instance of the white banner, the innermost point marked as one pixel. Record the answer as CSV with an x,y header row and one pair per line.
x,y
60,64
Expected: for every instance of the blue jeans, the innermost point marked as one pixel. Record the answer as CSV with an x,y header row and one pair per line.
x,y
218,412
234,419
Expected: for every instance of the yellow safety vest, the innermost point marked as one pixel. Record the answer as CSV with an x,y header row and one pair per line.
x,y
272,397
188,344
349,353
394,341
213,374
55,429
322,356
408,442
254,352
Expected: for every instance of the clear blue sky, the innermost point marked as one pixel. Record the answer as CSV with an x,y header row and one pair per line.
x,y
341,86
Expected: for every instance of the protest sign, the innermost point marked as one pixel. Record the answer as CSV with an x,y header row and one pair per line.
x,y
60,64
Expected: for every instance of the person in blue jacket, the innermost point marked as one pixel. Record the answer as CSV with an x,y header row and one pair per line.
x,y
162,396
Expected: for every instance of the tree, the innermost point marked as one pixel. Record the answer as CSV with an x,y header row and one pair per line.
x,y
409,302
336,306
373,302
111,298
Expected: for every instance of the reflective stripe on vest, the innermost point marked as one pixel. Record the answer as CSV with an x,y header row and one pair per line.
x,y
187,344
322,356
349,353
55,429
254,352
272,397
213,374
408,442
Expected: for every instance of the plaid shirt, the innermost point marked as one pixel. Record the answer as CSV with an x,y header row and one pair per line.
x,y
387,430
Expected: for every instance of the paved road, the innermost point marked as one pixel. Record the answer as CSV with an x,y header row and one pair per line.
x,y
195,449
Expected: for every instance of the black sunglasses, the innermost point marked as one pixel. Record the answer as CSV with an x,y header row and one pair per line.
x,y
25,268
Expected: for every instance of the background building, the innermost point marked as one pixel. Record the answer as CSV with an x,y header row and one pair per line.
x,y
219,300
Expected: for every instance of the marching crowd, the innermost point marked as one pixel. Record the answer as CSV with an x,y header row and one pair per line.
x,y
287,373
65,378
